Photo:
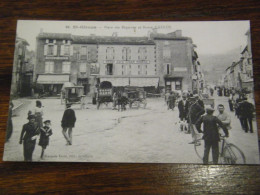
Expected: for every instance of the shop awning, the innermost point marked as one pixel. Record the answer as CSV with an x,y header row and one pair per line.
x,y
144,82
53,79
117,82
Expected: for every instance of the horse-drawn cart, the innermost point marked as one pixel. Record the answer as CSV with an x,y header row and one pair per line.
x,y
104,93
136,97
73,95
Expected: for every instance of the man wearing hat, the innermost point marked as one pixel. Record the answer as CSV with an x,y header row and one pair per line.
x,y
67,123
183,107
210,134
28,137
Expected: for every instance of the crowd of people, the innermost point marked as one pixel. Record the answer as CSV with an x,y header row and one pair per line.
x,y
193,113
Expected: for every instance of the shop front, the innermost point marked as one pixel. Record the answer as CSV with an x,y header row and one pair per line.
x,y
51,84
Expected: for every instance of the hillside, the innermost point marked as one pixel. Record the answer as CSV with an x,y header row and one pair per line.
x,y
215,65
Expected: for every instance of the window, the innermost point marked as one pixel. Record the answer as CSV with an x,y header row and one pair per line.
x,y
109,69
83,67
126,53
66,50
178,85
166,42
110,53
65,67
20,51
142,51
83,51
50,50
49,67
166,52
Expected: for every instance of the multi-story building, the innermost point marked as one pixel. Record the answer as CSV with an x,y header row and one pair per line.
x,y
153,62
176,62
127,61
240,74
18,66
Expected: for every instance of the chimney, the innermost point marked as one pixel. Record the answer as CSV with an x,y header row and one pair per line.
x,y
178,33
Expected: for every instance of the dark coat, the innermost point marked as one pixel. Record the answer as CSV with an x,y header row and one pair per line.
x,y
210,127
245,109
195,111
68,119
29,130
183,109
46,132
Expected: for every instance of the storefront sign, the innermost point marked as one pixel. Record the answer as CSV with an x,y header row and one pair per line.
x,y
180,69
56,57
126,62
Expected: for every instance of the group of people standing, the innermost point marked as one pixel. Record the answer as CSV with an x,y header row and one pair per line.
x,y
36,127
194,113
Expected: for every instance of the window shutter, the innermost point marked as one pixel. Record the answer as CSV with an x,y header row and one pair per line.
x,y
51,67
71,50
45,49
62,50
54,41
55,50
46,67
47,40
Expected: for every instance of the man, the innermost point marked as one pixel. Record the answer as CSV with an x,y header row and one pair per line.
x,y
67,123
246,110
183,107
28,137
210,134
196,109
171,100
223,116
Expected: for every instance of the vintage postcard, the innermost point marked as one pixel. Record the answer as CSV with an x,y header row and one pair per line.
x,y
138,92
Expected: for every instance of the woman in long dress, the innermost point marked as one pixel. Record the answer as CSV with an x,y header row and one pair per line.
x,y
38,112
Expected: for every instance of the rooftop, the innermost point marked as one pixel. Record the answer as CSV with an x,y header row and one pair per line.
x,y
93,39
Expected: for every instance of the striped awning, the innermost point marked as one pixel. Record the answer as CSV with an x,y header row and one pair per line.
x,y
53,79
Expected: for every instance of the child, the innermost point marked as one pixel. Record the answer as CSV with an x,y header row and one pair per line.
x,y
46,132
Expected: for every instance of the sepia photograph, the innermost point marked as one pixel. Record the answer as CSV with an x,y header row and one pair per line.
x,y
132,92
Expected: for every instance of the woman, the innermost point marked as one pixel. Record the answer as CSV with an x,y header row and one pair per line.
x,y
38,112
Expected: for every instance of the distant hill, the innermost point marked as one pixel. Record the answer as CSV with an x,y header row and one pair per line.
x,y
215,65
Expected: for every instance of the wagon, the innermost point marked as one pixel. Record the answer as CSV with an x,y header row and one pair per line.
x,y
73,95
136,97
104,93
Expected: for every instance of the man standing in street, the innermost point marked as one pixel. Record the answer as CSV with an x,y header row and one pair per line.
x,y
67,123
223,116
210,134
196,109
28,137
183,107
246,111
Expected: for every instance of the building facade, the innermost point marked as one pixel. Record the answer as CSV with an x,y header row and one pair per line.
x,y
154,62
240,74
176,62
18,66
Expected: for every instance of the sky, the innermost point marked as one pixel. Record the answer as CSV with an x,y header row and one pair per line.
x,y
210,37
